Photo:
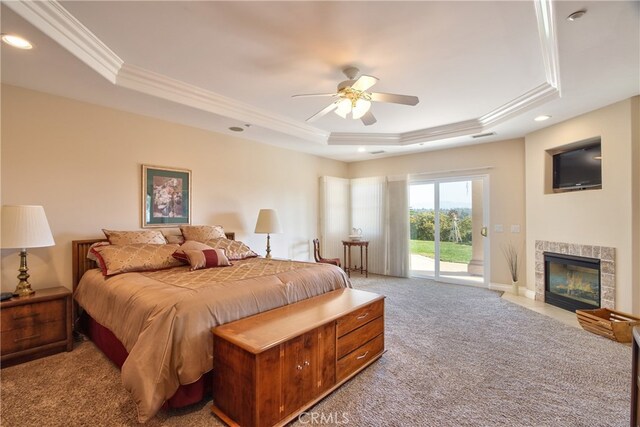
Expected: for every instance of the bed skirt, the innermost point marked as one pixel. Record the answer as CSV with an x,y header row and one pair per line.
x,y
104,339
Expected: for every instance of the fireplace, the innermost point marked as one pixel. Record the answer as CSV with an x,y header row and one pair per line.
x,y
571,282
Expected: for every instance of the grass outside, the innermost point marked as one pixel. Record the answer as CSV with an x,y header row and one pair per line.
x,y
449,251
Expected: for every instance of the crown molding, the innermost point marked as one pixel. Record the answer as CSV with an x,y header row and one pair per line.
x,y
57,23
161,86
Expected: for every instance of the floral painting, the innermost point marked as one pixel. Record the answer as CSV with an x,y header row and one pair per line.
x,y
166,196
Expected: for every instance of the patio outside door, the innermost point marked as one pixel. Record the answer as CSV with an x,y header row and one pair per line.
x,y
447,219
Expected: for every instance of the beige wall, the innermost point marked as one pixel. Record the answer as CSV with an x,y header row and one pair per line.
x,y
504,163
592,217
83,162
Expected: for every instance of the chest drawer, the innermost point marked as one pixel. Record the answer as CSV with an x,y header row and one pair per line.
x,y
359,317
358,358
30,315
354,339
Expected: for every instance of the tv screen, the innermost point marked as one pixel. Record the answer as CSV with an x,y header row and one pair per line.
x,y
578,168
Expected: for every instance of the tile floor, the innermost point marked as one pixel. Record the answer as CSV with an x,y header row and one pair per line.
x,y
564,316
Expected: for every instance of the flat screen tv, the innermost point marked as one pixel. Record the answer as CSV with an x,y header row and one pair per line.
x,y
578,168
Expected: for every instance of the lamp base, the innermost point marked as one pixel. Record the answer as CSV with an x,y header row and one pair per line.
x,y
24,287
268,255
23,290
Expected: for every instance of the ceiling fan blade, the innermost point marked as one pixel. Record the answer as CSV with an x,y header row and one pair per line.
x,y
368,119
313,94
322,112
394,98
364,83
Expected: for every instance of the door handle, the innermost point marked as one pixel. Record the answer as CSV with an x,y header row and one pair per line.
x,y
484,231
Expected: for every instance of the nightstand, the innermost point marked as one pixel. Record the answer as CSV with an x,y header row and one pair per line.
x,y
36,326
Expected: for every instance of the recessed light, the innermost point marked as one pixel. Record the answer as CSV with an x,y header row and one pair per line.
x,y
542,118
16,41
576,15
236,129
361,149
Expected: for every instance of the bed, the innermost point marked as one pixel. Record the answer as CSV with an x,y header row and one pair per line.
x,y
156,324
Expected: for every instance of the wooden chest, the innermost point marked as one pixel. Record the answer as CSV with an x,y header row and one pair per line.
x,y
270,367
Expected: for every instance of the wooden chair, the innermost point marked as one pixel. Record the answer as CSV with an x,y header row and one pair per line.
x,y
318,257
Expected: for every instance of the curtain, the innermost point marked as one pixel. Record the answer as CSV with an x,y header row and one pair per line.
x,y
335,215
379,206
368,213
397,247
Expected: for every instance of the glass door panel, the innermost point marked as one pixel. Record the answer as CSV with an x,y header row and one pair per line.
x,y
422,229
446,223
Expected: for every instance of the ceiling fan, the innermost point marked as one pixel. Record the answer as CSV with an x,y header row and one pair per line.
x,y
352,98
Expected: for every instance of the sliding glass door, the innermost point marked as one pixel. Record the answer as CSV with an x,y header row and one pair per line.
x,y
447,219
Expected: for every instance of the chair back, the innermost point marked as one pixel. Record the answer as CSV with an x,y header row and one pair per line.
x,y
316,250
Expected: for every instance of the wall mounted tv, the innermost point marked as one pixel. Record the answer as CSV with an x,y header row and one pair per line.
x,y
578,168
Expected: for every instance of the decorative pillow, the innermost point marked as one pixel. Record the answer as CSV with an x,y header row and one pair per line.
x,y
202,233
189,245
178,239
91,255
114,259
208,258
153,237
234,249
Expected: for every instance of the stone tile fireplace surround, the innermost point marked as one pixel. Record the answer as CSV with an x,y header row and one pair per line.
x,y
605,254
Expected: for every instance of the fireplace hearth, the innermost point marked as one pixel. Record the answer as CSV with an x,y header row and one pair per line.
x,y
572,282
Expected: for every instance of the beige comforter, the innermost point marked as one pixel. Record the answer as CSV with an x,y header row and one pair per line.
x,y
163,318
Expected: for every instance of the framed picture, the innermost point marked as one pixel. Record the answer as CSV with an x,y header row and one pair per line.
x,y
166,196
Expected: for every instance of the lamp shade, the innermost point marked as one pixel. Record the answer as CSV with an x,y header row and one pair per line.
x,y
25,227
268,222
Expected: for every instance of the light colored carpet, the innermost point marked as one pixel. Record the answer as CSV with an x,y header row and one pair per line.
x,y
457,356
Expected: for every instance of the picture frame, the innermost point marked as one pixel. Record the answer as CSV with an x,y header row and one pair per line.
x,y
166,196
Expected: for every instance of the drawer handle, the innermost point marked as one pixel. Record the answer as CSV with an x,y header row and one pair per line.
x,y
27,338
363,356
299,367
25,316
363,316
306,363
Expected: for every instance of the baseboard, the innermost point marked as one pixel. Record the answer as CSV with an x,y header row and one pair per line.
x,y
508,288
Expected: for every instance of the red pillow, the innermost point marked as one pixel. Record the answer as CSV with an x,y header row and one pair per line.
x,y
207,258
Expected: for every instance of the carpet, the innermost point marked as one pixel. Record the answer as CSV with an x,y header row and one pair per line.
x,y
456,356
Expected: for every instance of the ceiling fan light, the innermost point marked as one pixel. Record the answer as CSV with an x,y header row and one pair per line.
x,y
361,108
344,108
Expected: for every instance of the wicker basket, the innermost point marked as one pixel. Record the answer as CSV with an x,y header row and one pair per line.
x,y
612,324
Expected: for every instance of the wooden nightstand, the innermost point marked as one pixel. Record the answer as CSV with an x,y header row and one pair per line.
x,y
36,326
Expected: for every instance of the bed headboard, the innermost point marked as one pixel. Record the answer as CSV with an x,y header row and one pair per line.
x,y
82,264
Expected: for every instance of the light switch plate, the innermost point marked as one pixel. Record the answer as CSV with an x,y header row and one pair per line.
x,y
498,228
515,228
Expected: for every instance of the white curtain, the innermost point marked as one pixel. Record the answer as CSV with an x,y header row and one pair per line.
x,y
398,261
368,212
379,206
335,215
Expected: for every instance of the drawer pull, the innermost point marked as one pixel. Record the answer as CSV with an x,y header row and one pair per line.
x,y
363,356
27,338
299,367
25,316
306,363
363,316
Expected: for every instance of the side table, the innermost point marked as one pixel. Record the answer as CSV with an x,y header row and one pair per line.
x,y
364,260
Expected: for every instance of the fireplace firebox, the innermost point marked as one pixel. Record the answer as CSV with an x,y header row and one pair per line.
x,y
571,282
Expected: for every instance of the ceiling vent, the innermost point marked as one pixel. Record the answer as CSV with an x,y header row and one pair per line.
x,y
377,152
483,135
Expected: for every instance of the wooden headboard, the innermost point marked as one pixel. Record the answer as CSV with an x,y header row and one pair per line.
x,y
81,263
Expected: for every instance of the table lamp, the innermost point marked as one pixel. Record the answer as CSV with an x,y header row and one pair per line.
x,y
25,227
268,223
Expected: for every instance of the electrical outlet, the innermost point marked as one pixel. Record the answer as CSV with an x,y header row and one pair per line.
x,y
498,228
515,228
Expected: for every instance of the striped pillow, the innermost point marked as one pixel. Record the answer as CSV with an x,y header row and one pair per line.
x,y
207,258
